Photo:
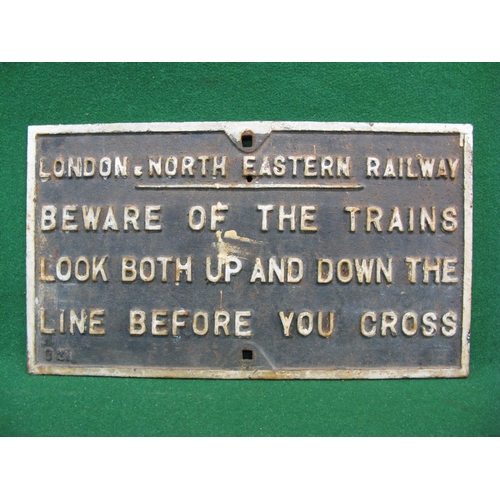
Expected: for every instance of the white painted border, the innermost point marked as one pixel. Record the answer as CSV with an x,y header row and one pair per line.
x,y
30,250
234,129
335,374
468,237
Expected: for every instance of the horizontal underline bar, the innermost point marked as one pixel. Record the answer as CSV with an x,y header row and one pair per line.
x,y
249,186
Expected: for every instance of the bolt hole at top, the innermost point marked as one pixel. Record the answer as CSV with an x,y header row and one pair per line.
x,y
249,178
246,354
247,141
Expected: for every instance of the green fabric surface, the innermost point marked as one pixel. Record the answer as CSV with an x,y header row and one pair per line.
x,y
94,93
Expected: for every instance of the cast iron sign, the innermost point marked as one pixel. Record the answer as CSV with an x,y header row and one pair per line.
x,y
249,250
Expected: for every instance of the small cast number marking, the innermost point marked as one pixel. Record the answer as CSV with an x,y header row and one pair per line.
x,y
61,355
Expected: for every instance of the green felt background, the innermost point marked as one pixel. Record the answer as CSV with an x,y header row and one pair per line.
x,y
87,406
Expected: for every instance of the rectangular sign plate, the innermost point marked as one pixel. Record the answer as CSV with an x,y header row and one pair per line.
x,y
267,250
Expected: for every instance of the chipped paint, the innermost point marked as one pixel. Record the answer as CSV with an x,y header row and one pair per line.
x,y
233,235
227,249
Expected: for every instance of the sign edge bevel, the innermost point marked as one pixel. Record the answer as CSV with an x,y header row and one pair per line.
x,y
30,251
468,250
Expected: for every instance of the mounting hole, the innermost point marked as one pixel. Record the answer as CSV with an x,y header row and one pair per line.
x,y
247,140
249,178
246,354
